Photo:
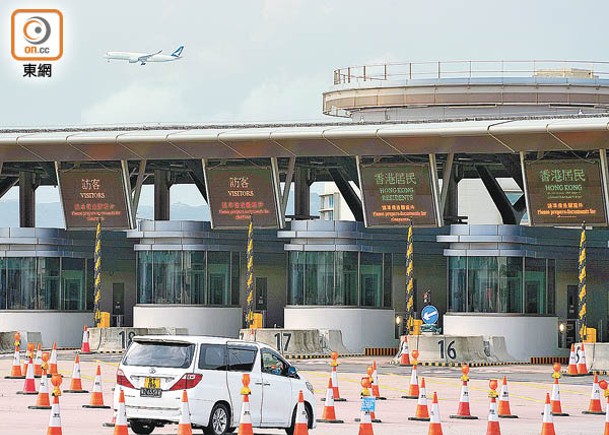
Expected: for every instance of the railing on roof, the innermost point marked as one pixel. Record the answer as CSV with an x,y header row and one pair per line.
x,y
471,69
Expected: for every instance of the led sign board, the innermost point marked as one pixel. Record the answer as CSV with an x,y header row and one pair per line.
x,y
88,195
237,192
394,193
565,192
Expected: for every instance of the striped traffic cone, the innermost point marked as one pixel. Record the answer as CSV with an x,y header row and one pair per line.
x,y
55,420
404,352
582,366
16,372
463,411
301,425
184,425
492,427
329,413
504,401
595,406
365,422
413,389
85,348
422,412
607,418
547,427
334,377
38,362
42,401
245,421
375,383
556,407
29,386
76,382
53,360
572,369
435,424
97,395
120,427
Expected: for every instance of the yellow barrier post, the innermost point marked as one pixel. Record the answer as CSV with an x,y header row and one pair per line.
x,y
105,320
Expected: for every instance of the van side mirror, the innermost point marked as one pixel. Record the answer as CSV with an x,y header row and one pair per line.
x,y
292,372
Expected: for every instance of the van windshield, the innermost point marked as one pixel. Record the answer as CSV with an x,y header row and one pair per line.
x,y
168,355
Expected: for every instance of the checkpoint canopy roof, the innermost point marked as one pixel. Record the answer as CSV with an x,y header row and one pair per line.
x,y
191,141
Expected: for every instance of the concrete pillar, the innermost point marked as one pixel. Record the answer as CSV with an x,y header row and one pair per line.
x,y
452,199
302,199
27,200
161,195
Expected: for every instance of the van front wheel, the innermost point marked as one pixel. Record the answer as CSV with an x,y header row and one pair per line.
x,y
219,420
290,430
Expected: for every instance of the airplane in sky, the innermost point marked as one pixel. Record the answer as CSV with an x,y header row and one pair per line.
x,y
144,58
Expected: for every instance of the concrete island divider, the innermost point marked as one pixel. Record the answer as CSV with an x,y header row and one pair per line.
x,y
447,349
107,340
7,340
299,343
597,356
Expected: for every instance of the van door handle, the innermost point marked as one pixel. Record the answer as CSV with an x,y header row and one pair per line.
x,y
258,383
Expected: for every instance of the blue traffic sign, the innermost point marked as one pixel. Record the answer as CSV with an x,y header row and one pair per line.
x,y
430,315
368,404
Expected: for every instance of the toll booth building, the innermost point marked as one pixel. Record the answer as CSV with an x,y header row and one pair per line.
x,y
496,164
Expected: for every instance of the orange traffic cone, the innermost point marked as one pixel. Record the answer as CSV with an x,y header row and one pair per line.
x,y
365,420
97,395
582,366
301,425
329,413
334,377
595,406
435,424
492,427
76,382
245,421
53,360
16,367
184,425
504,401
404,352
556,407
85,348
413,389
42,401
55,420
607,418
463,411
120,427
422,412
38,362
547,427
572,369
29,386
375,383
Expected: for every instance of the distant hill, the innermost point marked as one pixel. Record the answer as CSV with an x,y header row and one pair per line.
x,y
50,214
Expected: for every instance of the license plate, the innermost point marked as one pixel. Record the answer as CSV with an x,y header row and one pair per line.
x,y
152,382
150,392
151,388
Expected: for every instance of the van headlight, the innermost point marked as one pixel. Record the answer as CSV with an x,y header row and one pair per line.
x,y
309,387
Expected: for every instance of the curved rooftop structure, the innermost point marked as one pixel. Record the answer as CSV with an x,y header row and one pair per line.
x,y
437,90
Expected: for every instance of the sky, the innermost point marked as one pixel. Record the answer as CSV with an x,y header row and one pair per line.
x,y
267,60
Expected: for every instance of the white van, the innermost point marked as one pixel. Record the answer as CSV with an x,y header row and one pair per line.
x,y
155,370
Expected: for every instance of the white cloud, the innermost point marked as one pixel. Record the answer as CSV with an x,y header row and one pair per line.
x,y
284,99
138,102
